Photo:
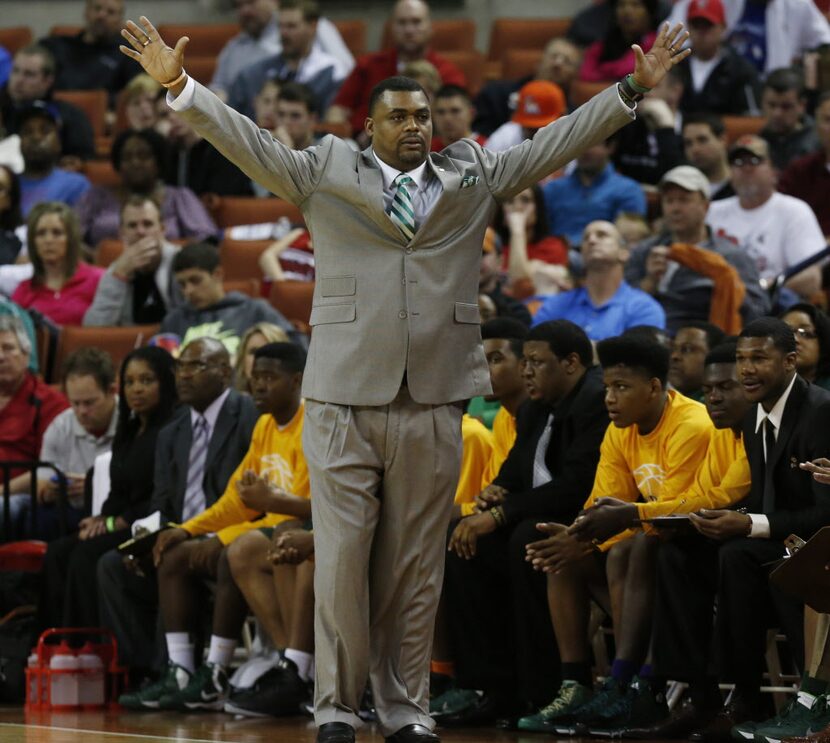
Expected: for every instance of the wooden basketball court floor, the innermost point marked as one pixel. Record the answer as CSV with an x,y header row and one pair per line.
x,y
161,727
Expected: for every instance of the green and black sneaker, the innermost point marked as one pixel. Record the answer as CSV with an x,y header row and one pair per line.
x,y
174,680
208,689
559,715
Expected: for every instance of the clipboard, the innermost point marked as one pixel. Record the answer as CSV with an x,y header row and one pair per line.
x,y
678,521
142,545
805,571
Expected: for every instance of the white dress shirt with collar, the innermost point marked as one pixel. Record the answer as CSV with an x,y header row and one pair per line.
x,y
211,413
425,189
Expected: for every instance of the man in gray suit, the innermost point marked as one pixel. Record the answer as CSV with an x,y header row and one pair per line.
x,y
396,344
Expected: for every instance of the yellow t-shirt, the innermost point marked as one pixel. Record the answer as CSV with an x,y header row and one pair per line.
x,y
722,479
660,466
276,453
477,443
504,436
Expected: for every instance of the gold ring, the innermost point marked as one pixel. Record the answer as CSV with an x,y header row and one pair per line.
x,y
672,50
146,42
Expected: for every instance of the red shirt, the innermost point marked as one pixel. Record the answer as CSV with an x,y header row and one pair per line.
x,y
438,143
26,417
548,249
595,70
809,180
372,68
66,306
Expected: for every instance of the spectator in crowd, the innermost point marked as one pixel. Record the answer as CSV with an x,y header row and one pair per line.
x,y
651,453
452,115
259,38
5,64
10,309
591,23
807,178
255,337
146,400
686,294
593,191
728,562
633,22
11,217
138,288
651,145
491,282
540,102
769,35
777,231
90,60
496,101
140,102
536,262
10,155
75,438
42,179
789,131
509,652
271,479
265,105
138,158
716,79
605,305
208,310
411,33
705,147
690,346
299,61
62,286
32,79
296,116
196,453
291,258
634,228
193,163
811,327
425,74
27,404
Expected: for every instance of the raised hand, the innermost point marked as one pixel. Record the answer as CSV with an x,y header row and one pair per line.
x,y
667,51
160,62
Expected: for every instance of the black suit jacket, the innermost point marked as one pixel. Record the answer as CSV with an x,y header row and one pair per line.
x,y
801,505
579,423
228,444
732,87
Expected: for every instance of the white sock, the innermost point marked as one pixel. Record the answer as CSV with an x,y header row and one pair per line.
x,y
303,661
221,650
180,649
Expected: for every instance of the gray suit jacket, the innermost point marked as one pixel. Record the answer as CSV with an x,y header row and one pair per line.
x,y
383,306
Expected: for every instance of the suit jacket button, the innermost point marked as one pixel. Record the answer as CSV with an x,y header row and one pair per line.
x,y
402,314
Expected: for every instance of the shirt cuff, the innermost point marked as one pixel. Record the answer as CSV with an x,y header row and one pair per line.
x,y
760,526
184,100
625,106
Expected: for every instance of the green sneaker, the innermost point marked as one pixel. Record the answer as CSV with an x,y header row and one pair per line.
x,y
208,689
558,716
175,679
796,720
642,707
453,702
610,701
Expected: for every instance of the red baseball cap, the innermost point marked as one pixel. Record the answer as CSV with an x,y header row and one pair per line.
x,y
709,10
540,102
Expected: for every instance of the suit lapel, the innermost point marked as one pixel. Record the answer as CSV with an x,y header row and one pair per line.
x,y
181,457
371,186
789,420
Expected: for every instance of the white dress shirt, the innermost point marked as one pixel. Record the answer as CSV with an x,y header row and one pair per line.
x,y
425,188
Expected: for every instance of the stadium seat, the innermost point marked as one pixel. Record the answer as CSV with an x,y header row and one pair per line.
x,y
12,39
293,299
236,210
65,30
353,32
92,102
101,173
448,35
240,258
521,33
206,39
582,91
251,287
340,129
471,63
108,252
520,63
738,126
201,68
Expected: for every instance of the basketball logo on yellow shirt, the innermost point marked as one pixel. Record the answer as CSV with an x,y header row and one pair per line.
x,y
278,471
649,479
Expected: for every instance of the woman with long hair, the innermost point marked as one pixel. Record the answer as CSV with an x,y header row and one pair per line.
x,y
146,401
811,327
11,218
255,337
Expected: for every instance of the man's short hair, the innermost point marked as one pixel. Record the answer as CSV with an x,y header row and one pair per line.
x,y
299,93
90,362
290,355
564,338
202,255
637,352
396,84
723,353
784,80
138,200
454,91
12,324
156,142
713,121
508,329
309,8
714,335
781,334
38,50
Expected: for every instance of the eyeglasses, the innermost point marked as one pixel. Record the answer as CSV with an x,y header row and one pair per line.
x,y
806,333
754,161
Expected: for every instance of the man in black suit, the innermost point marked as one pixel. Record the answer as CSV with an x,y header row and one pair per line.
x,y
728,560
129,602
497,608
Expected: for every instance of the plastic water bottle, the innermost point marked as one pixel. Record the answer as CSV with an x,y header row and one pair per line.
x,y
91,692
63,681
33,694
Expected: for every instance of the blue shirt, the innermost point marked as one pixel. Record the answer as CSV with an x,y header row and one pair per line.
x,y
627,308
749,35
5,65
571,206
59,185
